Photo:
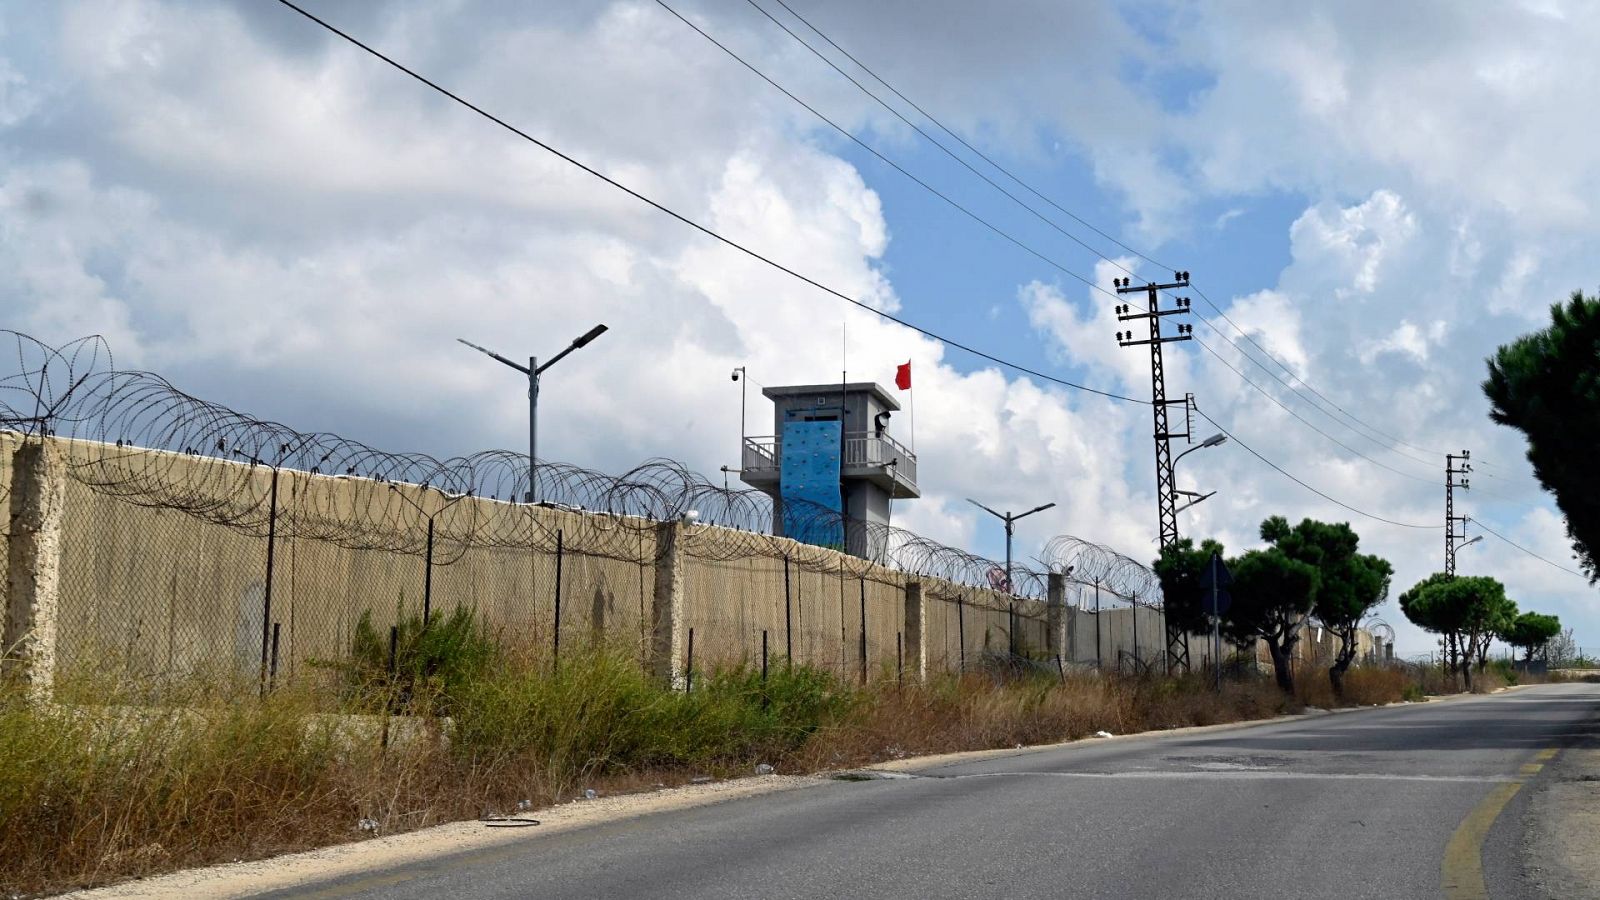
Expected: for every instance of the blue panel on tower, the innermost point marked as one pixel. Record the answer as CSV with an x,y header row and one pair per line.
x,y
808,481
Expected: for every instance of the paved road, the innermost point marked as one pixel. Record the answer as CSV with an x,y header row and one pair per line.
x,y
1395,802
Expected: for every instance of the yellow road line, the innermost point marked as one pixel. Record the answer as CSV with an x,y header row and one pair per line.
x,y
1461,871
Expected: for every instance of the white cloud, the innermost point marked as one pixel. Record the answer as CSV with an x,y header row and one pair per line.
x,y
1407,339
288,227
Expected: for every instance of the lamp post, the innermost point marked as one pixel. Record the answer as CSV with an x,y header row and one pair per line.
x,y
741,376
427,565
533,370
1010,521
1213,441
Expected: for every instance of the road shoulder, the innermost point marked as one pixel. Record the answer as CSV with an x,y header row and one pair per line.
x,y
296,870
291,871
1563,828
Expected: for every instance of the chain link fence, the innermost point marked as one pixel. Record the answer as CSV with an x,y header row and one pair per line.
x,y
195,538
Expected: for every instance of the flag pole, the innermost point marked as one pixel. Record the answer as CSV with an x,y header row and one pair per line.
x,y
911,412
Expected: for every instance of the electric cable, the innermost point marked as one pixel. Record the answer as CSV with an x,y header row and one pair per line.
x,y
692,223
715,235
1292,477
1547,562
1075,217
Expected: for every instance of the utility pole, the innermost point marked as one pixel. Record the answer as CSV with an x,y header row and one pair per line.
x,y
1166,493
1450,517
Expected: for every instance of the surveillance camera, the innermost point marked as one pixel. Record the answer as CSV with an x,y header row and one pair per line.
x,y
735,375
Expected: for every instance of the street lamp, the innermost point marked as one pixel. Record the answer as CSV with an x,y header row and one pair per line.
x,y
533,370
1213,441
1010,521
1468,543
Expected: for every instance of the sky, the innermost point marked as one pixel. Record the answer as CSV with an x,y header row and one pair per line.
x,y
1375,195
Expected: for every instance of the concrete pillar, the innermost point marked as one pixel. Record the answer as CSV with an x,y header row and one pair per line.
x,y
1055,615
668,634
33,574
916,645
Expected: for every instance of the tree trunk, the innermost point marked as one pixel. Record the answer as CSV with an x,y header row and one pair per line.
x,y
1453,642
1342,660
1466,671
1282,667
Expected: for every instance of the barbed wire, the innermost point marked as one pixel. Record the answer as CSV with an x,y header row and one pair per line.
x,y
135,436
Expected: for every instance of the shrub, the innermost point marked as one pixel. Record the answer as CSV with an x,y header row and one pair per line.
x,y
431,664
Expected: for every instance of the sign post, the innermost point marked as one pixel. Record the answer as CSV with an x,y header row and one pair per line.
x,y
1216,579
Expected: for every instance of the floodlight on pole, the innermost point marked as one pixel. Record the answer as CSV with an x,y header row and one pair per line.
x,y
1010,520
533,370
743,377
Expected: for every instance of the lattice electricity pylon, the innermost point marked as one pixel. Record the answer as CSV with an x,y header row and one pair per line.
x,y
1451,520
1166,488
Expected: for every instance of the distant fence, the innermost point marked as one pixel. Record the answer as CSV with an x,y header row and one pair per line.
x,y
257,577
163,534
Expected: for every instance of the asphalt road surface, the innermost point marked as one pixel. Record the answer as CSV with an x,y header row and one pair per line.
x,y
1413,801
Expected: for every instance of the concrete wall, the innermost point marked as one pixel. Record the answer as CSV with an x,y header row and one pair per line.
x,y
8,444
153,589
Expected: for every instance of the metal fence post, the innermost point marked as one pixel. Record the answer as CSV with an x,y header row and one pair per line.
x,y
272,673
1134,608
788,616
1099,662
688,666
961,631
560,553
427,579
266,595
863,629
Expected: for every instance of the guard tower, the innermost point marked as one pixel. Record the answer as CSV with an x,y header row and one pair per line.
x,y
831,466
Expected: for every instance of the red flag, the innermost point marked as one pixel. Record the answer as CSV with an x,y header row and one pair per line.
x,y
902,376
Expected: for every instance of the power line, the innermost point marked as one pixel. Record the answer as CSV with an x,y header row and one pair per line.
x,y
703,229
1308,424
709,232
986,223
1304,421
1287,474
925,135
1547,562
1090,282
897,167
1051,202
942,127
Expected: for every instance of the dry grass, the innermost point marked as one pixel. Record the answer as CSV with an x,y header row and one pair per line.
x,y
977,712
1363,686
135,784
